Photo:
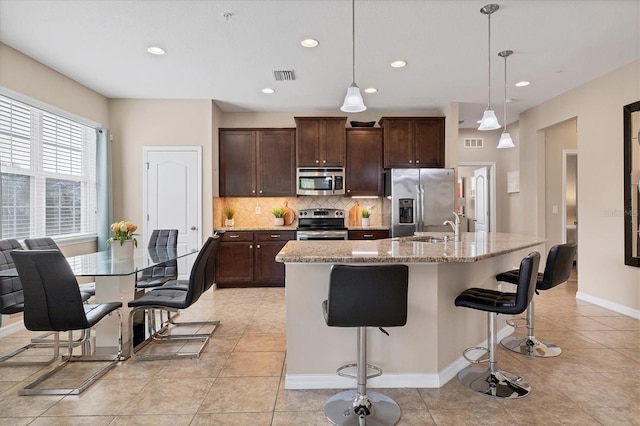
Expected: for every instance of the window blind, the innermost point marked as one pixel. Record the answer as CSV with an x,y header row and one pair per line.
x,y
48,166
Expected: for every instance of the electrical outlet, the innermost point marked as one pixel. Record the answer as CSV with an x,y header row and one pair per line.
x,y
258,211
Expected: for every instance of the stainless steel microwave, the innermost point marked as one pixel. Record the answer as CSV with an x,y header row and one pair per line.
x,y
320,181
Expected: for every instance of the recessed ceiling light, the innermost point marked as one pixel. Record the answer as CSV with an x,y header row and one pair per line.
x,y
268,90
370,90
309,42
399,64
155,50
522,83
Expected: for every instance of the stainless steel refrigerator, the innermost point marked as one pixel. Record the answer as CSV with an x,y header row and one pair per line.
x,y
418,200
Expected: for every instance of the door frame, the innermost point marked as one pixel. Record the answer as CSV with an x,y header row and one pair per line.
x,y
566,153
492,187
185,148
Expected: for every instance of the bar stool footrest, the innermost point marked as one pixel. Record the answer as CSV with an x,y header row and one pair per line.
x,y
476,348
341,373
517,322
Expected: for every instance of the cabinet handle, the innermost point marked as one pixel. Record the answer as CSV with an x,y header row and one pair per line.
x,y
258,246
253,191
348,190
234,236
250,246
324,161
275,235
417,161
317,161
368,235
410,161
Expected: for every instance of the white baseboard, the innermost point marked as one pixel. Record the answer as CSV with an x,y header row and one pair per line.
x,y
625,310
11,328
407,380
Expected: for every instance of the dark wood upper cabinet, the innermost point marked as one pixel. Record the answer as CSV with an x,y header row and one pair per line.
x,y
237,163
257,162
364,172
276,166
413,141
320,141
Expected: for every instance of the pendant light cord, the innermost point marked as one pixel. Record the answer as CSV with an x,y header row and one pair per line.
x,y
504,129
353,41
489,61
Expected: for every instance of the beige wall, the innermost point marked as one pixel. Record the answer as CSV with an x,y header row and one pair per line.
x,y
558,138
136,123
598,107
506,160
22,74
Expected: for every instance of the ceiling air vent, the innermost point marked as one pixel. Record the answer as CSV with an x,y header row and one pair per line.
x,y
473,143
284,75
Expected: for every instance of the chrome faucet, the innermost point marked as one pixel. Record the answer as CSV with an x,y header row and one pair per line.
x,y
455,226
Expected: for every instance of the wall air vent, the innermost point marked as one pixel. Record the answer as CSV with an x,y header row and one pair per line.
x,y
285,75
473,143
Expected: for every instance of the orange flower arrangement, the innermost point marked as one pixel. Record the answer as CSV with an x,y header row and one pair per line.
x,y
123,231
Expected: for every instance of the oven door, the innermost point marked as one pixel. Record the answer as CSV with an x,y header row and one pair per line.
x,y
322,235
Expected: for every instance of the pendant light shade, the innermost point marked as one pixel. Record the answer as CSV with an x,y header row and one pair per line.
x,y
505,139
489,120
353,101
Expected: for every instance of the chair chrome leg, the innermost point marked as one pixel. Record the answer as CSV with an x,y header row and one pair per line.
x,y
491,381
161,335
361,407
530,345
32,389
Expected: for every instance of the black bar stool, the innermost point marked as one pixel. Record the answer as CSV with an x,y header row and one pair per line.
x,y
556,271
365,296
491,381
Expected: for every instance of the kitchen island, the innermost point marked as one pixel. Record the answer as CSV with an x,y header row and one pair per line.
x,y
427,351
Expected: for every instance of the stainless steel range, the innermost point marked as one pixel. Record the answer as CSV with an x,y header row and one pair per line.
x,y
321,224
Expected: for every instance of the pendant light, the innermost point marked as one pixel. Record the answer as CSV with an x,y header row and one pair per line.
x,y
505,138
489,120
353,101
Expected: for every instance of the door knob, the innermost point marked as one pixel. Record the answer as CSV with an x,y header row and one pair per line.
x,y
193,228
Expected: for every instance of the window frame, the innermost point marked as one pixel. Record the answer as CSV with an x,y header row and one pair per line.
x,y
38,176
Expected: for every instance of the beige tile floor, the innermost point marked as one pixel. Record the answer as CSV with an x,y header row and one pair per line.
x,y
239,378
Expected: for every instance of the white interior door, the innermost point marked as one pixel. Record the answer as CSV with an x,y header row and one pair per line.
x,y
173,182
481,177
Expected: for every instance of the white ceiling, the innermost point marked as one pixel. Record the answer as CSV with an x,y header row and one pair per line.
x,y
557,44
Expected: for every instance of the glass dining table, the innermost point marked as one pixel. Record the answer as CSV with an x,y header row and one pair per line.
x,y
115,281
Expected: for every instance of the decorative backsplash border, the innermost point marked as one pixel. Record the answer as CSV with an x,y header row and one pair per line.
x,y
246,208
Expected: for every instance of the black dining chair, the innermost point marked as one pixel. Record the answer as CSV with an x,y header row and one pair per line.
x,y
46,243
171,300
158,275
52,302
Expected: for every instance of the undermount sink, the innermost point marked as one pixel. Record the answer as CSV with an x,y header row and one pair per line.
x,y
430,239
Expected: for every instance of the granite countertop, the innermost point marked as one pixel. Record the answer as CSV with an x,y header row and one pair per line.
x,y
416,249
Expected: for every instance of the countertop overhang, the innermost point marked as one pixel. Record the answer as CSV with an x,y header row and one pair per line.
x,y
474,246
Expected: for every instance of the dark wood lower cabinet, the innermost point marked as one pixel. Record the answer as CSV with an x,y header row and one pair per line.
x,y
376,234
247,259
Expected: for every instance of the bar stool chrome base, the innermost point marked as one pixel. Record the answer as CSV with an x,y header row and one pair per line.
x,y
342,409
499,384
531,346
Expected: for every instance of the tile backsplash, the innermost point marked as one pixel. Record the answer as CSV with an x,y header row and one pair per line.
x,y
246,208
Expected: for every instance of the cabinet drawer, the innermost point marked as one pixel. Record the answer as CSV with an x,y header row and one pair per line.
x,y
275,235
236,236
368,235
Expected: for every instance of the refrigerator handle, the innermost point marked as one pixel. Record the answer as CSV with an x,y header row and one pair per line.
x,y
422,208
418,210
